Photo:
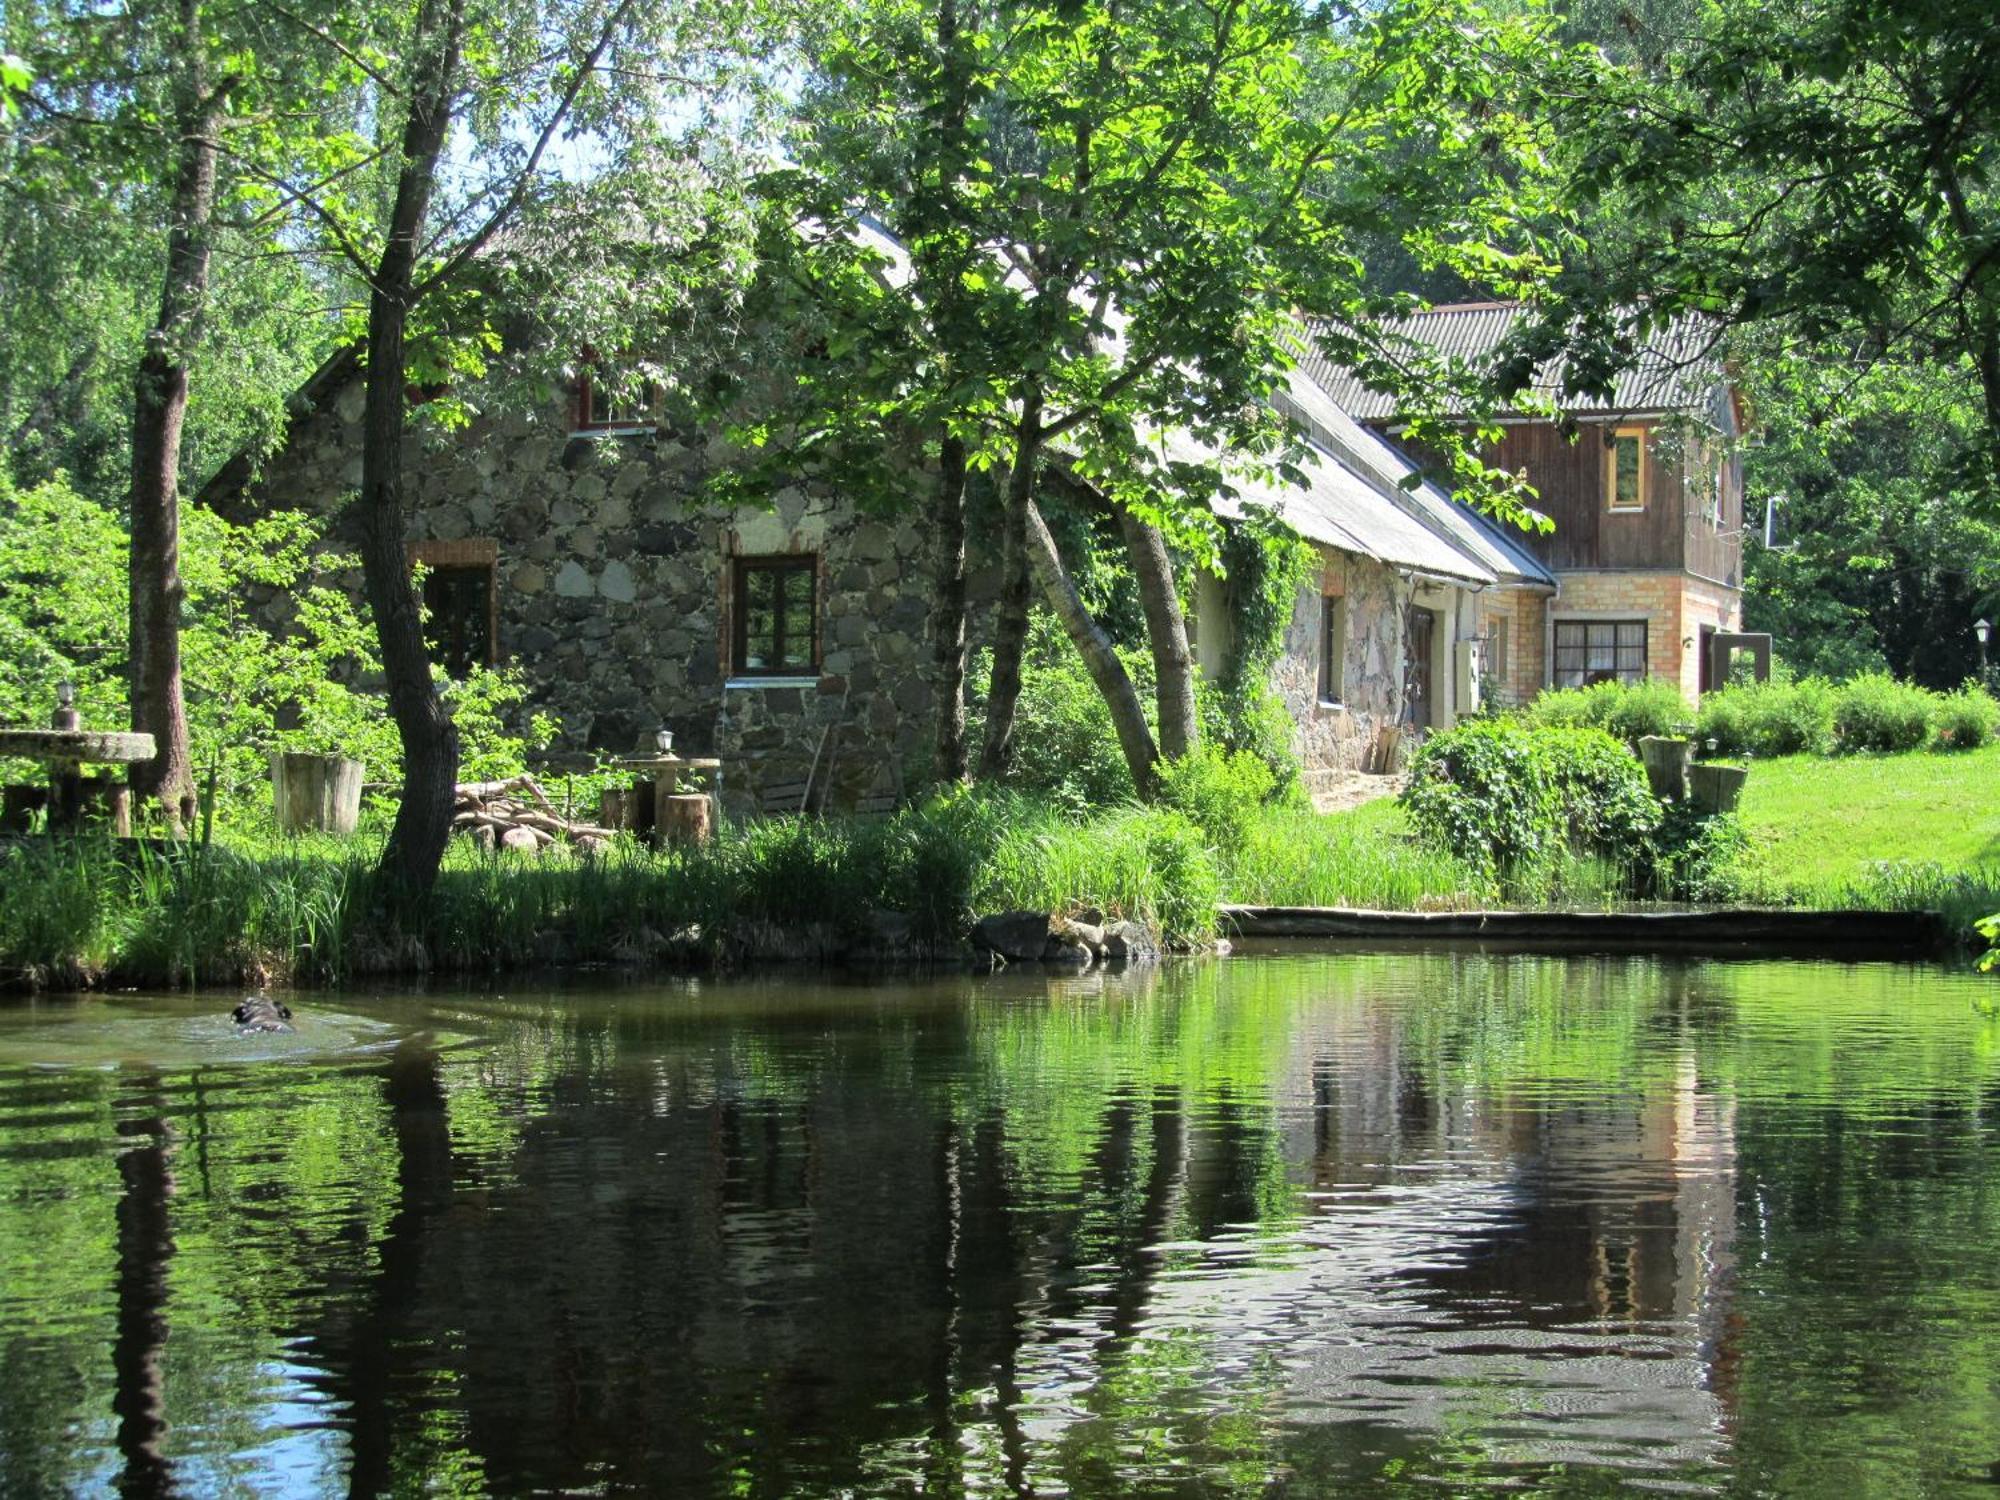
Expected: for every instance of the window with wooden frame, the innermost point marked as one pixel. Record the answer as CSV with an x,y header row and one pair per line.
x,y
1497,663
1589,651
608,401
1332,648
775,616
1625,469
461,602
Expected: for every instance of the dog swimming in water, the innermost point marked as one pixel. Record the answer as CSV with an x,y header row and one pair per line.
x,y
262,1013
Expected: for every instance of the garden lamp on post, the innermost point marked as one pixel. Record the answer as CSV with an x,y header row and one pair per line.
x,y
1983,628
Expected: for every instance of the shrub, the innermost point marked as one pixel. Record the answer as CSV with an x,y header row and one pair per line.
x,y
1601,791
1515,801
1876,712
1482,791
1624,710
1221,792
1769,718
1696,857
1966,719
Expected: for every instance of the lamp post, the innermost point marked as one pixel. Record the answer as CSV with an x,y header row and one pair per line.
x,y
1982,628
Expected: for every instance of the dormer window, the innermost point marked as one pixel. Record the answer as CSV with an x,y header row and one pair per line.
x,y
1625,469
609,400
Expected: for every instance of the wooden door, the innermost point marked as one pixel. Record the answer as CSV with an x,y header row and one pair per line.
x,y
1419,630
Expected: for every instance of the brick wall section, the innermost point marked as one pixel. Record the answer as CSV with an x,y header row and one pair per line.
x,y
1705,603
1673,605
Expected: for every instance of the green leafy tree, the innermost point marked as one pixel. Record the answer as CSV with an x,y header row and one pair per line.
x,y
1110,218
1821,173
462,210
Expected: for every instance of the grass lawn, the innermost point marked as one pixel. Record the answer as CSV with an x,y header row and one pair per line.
x,y
1825,821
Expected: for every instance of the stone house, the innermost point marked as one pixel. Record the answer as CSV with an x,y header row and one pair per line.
x,y
1647,497
578,541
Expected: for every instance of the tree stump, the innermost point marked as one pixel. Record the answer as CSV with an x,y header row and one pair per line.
x,y
1717,789
614,808
316,793
684,818
1667,758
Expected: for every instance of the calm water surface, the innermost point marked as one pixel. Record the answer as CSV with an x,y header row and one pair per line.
x,y
1278,1226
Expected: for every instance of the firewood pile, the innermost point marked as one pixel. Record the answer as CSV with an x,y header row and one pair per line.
x,y
517,814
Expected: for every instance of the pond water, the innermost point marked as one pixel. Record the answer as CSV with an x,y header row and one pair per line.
x,y
1281,1225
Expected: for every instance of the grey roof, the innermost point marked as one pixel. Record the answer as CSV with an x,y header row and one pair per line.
x,y
1386,468
1677,371
1340,507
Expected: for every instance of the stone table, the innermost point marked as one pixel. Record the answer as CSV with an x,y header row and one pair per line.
x,y
671,809
65,752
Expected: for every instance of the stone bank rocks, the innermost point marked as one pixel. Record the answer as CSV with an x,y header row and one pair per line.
x,y
1061,942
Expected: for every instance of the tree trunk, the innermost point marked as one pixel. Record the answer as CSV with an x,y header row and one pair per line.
x,y
429,737
948,610
1128,711
159,407
1166,632
145,1241
1010,619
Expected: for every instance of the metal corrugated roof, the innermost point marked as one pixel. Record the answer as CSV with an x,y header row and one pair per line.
x,y
1676,371
1387,468
1339,507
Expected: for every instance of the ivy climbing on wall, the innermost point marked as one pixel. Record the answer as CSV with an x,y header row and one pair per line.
x,y
1265,564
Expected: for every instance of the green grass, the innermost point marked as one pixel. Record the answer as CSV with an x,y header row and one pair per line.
x,y
1819,821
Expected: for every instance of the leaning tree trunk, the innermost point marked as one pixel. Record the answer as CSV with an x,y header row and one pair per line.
x,y
1128,711
948,610
159,407
429,737
1166,631
1010,619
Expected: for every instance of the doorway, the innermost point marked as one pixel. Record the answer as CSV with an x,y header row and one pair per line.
x,y
1419,631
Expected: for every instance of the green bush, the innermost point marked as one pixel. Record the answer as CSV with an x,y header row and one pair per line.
x,y
1221,792
1876,712
1769,718
1966,719
1601,791
1625,710
1516,801
1482,791
1697,857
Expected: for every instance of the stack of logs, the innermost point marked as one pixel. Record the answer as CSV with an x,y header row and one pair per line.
x,y
516,814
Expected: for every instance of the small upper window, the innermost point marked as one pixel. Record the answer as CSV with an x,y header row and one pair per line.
x,y
608,400
1625,470
776,616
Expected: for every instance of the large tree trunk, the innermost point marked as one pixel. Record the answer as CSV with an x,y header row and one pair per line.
x,y
145,1242
1128,711
1010,619
1166,631
948,610
159,406
429,737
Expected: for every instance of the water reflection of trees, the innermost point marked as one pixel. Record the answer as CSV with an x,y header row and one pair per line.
x,y
1003,1239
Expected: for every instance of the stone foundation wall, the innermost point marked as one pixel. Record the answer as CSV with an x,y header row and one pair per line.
x,y
612,576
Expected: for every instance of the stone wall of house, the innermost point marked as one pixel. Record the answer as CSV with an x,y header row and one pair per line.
x,y
1335,738
612,579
